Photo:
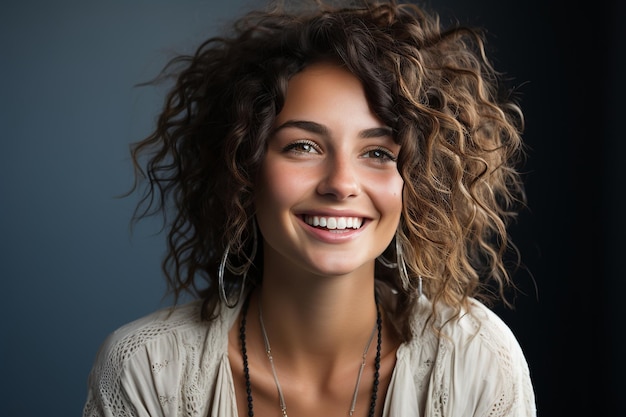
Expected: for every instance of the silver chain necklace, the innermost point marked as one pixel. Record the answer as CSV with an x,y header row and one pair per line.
x,y
268,350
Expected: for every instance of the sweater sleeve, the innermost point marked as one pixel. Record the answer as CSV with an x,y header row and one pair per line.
x,y
106,395
127,378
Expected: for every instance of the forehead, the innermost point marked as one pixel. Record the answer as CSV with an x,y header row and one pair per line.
x,y
327,93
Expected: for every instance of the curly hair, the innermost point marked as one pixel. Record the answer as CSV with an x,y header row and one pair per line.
x,y
460,143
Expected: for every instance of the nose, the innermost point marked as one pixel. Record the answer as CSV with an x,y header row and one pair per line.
x,y
340,179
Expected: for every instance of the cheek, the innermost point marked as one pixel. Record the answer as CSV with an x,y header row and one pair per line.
x,y
390,196
277,187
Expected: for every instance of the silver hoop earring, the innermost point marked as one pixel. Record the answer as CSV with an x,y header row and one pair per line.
x,y
240,271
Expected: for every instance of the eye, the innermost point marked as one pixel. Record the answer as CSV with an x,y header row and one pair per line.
x,y
302,146
381,154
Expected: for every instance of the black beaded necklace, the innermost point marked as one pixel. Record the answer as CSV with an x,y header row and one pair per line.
x,y
246,370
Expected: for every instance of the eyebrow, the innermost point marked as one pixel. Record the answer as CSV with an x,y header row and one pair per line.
x,y
319,129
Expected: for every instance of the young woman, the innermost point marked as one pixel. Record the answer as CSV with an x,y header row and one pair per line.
x,y
340,181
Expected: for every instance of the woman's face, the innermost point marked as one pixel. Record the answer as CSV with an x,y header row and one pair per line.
x,y
329,195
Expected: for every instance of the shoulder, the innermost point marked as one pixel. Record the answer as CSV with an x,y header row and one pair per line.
x,y
149,343
483,324
157,329
479,341
167,333
476,328
475,361
159,361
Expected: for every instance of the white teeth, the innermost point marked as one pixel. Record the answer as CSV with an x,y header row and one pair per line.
x,y
333,223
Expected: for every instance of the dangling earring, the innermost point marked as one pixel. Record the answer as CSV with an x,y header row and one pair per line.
x,y
404,275
241,271
419,287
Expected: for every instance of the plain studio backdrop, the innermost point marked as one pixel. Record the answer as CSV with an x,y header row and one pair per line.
x,y
71,272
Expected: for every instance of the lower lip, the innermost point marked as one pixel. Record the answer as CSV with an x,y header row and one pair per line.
x,y
334,235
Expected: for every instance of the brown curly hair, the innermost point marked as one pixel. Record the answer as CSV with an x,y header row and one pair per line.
x,y
460,145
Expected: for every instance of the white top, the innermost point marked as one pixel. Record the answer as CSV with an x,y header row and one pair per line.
x,y
177,365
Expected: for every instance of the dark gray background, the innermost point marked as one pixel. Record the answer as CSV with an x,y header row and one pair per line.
x,y
71,272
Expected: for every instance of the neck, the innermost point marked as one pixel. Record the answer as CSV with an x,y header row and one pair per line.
x,y
321,384
330,317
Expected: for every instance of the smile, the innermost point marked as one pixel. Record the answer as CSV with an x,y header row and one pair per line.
x,y
333,223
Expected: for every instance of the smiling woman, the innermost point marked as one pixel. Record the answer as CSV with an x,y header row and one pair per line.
x,y
340,181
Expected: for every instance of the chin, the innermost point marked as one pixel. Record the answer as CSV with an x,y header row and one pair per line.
x,y
340,268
